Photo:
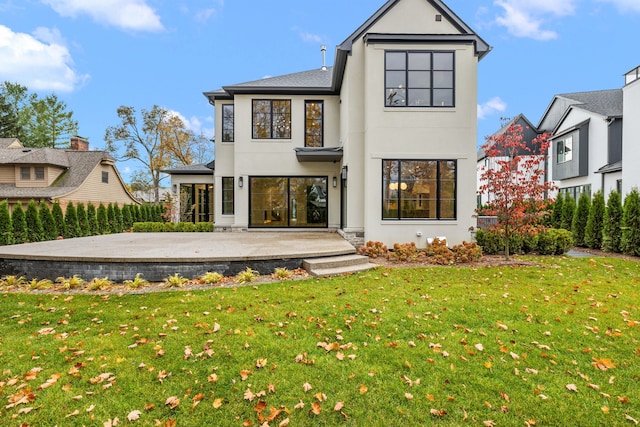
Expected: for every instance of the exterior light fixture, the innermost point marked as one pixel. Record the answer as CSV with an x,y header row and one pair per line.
x,y
240,182
335,181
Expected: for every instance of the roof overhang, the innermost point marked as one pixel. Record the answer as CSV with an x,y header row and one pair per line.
x,y
611,168
319,154
481,47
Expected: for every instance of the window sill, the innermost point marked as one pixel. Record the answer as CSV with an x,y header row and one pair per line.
x,y
421,109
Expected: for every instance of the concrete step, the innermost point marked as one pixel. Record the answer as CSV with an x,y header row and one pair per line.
x,y
343,264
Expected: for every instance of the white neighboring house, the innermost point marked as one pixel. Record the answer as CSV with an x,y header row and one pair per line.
x,y
586,150
381,146
631,131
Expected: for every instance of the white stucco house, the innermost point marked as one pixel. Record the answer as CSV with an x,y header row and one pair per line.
x,y
381,146
631,131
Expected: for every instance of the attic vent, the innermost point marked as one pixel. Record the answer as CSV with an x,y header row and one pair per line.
x,y
26,150
438,18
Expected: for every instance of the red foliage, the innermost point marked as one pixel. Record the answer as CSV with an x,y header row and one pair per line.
x,y
516,180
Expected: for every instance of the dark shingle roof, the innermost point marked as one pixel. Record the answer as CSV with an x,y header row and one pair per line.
x,y
607,103
78,165
199,169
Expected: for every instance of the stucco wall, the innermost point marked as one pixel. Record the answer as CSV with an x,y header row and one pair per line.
x,y
631,137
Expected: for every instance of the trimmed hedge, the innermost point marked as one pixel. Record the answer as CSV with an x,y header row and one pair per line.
x,y
170,227
549,242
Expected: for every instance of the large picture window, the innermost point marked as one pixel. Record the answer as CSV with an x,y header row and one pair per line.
x,y
228,123
419,189
314,124
271,119
419,79
227,195
288,202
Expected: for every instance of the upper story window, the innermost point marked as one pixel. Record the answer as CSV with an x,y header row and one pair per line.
x,y
39,173
228,120
314,123
565,149
105,177
419,79
25,173
271,119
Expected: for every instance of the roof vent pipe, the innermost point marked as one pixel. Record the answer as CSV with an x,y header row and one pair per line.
x,y
323,49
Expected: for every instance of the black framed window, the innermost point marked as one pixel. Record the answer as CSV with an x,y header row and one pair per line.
x,y
105,177
419,79
228,123
227,195
419,189
314,123
283,201
25,173
271,119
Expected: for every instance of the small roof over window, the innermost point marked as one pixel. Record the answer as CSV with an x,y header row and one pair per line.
x,y
319,154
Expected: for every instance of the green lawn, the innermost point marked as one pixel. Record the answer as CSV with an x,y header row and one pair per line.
x,y
553,345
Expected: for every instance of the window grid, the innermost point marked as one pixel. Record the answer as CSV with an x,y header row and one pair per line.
x,y
227,195
271,119
419,189
314,123
419,79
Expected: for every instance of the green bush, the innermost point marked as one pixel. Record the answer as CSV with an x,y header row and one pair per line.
x,y
490,242
103,220
630,243
19,224
554,242
593,231
92,219
58,218
6,227
83,220
71,229
35,232
568,211
612,231
49,227
580,218
556,214
169,227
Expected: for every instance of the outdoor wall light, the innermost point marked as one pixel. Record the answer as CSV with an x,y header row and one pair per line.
x,y
335,181
240,182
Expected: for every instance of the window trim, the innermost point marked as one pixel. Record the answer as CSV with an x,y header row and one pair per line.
x,y
272,134
233,123
306,122
226,180
565,141
438,216
431,87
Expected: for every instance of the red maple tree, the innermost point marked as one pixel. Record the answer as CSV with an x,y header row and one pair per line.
x,y
515,180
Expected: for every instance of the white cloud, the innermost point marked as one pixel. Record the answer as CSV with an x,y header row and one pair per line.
x,y
40,61
308,37
625,5
193,124
525,18
133,15
493,106
205,14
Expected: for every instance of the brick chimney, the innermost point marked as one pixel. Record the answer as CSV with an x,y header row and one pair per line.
x,y
79,143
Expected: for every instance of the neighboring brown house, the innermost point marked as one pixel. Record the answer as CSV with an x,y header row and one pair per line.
x,y
67,175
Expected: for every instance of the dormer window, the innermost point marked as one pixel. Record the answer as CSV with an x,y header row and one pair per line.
x,y
419,79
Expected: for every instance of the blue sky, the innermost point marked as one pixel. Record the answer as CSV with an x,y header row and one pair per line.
x,y
99,54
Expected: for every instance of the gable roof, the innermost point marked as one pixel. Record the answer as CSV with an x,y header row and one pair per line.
x,y
78,165
606,103
527,128
329,80
10,143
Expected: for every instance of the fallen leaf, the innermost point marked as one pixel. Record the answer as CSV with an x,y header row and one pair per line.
x,y
73,414
628,418
338,406
284,423
134,415
572,387
217,404
316,408
173,402
479,347
363,389
603,364
438,412
306,387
